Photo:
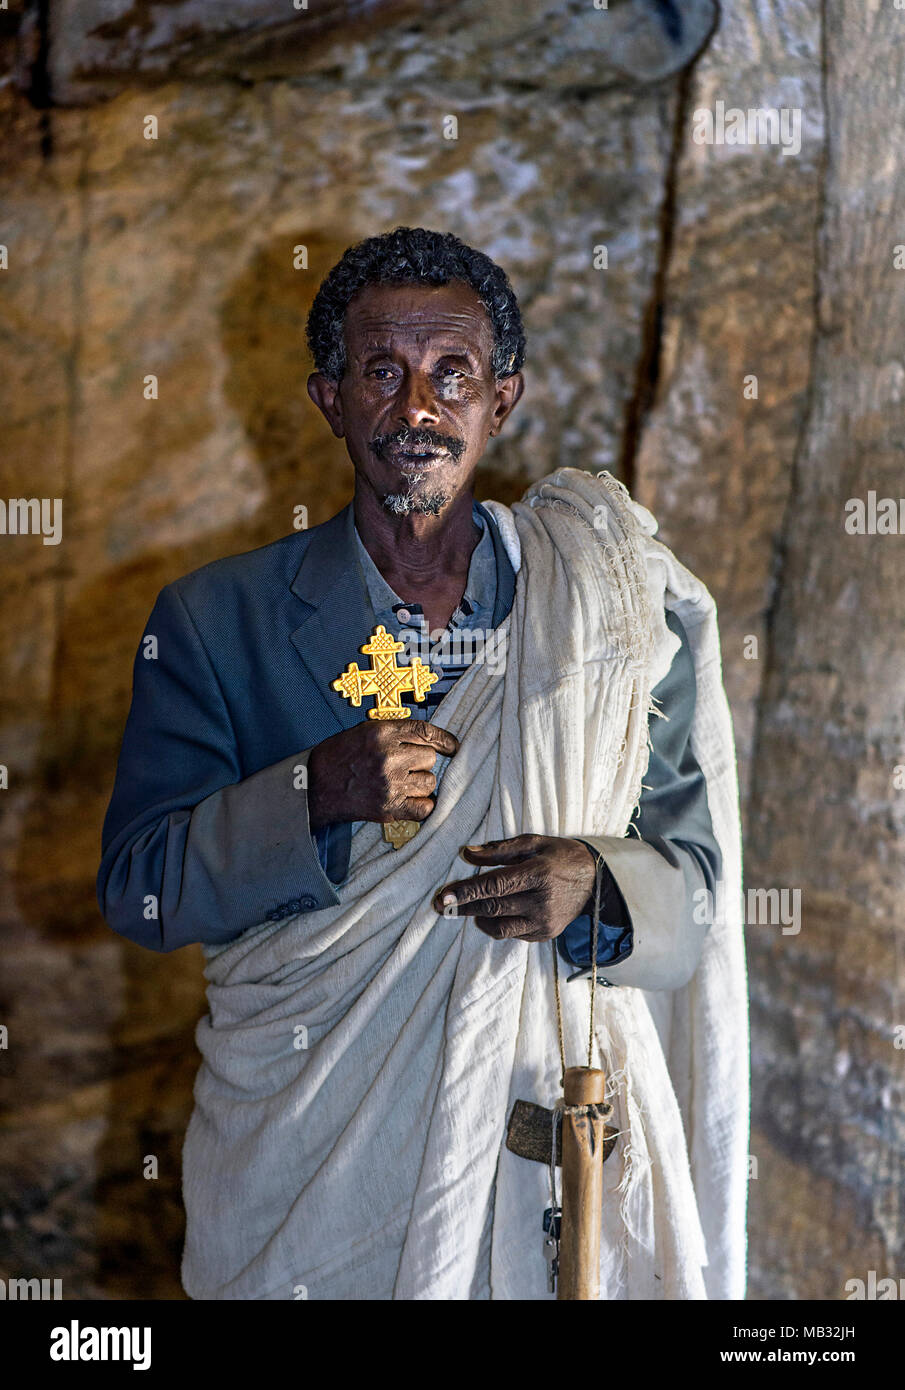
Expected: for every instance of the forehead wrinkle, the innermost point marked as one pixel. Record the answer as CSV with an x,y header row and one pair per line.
x,y
444,349
378,342
442,323
464,331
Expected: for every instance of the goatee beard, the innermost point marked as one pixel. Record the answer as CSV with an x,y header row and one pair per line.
x,y
422,503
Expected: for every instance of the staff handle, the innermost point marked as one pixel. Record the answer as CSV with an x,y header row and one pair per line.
x,y
582,1186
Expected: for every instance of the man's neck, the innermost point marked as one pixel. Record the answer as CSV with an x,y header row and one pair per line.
x,y
419,552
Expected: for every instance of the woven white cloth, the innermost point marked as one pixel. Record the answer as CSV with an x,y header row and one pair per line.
x,y
370,1164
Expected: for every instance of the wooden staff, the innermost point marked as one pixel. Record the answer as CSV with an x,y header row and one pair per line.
x,y
583,1136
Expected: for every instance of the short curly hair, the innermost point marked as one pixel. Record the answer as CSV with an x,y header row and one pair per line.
x,y
406,256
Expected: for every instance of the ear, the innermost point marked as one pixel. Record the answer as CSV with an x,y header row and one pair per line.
x,y
508,393
325,394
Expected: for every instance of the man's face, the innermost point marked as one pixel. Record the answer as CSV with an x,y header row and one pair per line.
x,y
418,399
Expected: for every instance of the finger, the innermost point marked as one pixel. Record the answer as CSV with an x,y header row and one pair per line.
x,y
497,884
522,905
506,928
413,808
513,851
423,732
414,757
522,877
419,783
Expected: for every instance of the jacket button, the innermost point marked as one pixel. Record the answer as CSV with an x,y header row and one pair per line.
x,y
309,902
293,905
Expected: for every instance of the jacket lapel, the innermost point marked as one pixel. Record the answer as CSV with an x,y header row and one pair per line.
x,y
339,618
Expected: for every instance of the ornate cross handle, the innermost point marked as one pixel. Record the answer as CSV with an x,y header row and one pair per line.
x,y
387,682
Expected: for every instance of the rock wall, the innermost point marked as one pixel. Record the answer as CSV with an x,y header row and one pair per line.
x,y
827,811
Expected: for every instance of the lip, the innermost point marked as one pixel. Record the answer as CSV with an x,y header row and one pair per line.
x,y
416,458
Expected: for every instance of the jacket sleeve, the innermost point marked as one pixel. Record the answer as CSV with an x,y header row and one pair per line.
x,y
191,850
653,908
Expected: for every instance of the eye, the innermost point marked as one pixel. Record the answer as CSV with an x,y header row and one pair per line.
x,y
376,370
450,371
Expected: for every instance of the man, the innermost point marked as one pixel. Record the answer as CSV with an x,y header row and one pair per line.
x,y
373,1011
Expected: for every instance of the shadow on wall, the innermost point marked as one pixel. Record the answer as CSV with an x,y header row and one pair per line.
x,y
134,1060
129,1040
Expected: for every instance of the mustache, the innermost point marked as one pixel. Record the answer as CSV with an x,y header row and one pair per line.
x,y
417,438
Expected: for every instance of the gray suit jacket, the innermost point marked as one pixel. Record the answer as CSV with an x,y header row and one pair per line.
x,y
207,830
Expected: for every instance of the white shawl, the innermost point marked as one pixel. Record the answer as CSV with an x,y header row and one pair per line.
x,y
370,1164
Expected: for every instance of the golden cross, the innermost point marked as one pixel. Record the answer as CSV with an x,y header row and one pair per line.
x,y
387,682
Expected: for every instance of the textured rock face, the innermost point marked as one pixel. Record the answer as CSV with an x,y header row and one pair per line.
x,y
96,47
782,268
714,459
173,258
827,811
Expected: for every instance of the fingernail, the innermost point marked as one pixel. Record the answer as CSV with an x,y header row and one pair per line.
x,y
448,899
478,847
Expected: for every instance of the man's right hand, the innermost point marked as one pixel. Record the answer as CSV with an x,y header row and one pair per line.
x,y
378,770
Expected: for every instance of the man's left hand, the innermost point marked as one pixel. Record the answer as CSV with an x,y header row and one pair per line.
x,y
546,882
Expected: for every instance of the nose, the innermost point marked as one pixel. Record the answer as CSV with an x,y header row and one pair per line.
x,y
416,403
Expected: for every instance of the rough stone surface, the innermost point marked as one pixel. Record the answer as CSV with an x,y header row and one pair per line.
x,y
782,267
737,301
95,46
827,811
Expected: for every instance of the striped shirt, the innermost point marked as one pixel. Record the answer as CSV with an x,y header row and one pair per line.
x,y
464,636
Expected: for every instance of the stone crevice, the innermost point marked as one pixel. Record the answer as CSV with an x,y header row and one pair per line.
x,y
647,370
647,373
781,547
